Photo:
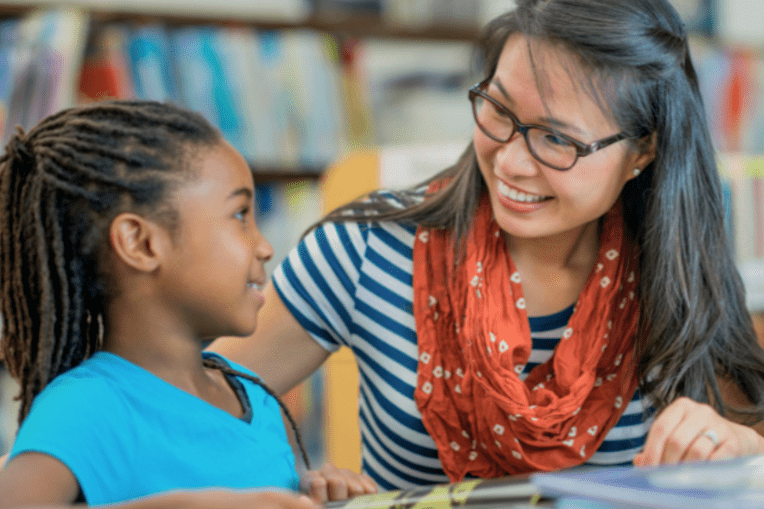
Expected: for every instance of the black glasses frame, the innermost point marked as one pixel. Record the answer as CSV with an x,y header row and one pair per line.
x,y
582,149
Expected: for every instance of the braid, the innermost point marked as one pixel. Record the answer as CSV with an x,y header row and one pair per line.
x,y
60,186
217,364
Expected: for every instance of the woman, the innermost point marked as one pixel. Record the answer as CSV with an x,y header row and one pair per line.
x,y
564,288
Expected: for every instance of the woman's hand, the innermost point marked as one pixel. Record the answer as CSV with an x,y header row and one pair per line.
x,y
691,431
332,483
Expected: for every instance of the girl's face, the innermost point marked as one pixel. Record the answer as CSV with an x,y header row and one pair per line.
x,y
529,199
215,271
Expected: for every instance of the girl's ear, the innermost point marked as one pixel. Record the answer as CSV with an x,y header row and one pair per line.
x,y
138,242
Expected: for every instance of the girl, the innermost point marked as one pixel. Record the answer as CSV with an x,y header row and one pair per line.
x,y
127,241
536,305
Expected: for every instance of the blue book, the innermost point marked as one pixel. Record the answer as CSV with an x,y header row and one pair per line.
x,y
8,34
150,60
737,483
207,81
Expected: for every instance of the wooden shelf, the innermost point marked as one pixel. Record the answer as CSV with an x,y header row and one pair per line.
x,y
348,25
262,175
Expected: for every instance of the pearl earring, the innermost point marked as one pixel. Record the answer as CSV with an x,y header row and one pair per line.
x,y
637,171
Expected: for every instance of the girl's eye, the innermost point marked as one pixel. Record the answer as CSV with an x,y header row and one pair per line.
x,y
242,214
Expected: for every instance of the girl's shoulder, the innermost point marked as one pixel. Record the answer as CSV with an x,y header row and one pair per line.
x,y
225,361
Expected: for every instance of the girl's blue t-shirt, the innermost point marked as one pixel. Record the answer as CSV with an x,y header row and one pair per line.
x,y
125,433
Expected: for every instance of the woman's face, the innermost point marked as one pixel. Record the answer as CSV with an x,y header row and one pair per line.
x,y
529,199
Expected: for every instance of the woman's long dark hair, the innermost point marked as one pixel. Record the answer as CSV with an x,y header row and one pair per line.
x,y
694,326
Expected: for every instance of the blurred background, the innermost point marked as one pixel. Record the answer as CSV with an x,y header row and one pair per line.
x,y
296,85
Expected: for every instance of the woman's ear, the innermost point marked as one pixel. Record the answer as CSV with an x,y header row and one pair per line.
x,y
138,242
647,151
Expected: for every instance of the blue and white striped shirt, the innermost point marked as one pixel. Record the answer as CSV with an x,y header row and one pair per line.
x,y
351,284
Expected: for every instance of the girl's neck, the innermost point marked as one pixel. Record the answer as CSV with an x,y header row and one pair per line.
x,y
150,337
143,335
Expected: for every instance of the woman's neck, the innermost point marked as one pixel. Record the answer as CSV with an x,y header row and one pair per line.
x,y
555,269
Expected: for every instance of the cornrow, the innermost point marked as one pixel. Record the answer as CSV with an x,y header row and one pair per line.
x,y
217,364
60,186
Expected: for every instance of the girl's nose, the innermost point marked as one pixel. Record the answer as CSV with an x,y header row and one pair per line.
x,y
263,248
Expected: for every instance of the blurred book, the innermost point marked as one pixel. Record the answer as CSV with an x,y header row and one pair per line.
x,y
280,11
208,79
424,13
274,143
324,7
737,483
8,35
315,111
417,93
150,58
502,492
699,16
105,69
744,176
49,44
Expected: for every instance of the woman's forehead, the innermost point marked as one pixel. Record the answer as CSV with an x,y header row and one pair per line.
x,y
546,76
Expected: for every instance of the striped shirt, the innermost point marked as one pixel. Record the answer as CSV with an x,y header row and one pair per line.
x,y
351,284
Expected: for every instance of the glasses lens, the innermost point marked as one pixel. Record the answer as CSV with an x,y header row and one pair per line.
x,y
494,122
550,148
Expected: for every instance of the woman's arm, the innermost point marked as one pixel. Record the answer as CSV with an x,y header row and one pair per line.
x,y
280,350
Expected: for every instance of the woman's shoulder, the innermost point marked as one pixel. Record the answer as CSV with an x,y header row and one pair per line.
x,y
362,214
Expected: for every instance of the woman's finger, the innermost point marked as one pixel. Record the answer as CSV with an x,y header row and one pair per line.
x,y
660,431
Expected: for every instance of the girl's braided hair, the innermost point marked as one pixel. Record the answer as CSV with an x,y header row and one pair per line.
x,y
61,184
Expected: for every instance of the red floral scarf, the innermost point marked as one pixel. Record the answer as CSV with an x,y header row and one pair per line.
x,y
474,340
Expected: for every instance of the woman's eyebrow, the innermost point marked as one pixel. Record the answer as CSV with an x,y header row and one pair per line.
x,y
550,121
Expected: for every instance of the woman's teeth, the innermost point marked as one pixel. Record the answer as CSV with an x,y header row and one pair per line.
x,y
514,194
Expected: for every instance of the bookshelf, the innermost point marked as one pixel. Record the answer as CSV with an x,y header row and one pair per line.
x,y
338,32
289,196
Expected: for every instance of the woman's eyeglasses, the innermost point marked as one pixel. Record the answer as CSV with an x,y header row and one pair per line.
x,y
554,149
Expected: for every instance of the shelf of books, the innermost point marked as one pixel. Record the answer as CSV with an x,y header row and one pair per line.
x,y
292,90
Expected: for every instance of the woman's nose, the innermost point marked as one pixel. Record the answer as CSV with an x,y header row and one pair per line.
x,y
514,157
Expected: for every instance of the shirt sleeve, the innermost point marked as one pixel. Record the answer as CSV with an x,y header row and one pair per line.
x,y
72,421
318,280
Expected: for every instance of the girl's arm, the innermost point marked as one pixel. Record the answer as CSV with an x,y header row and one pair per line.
x,y
280,350
39,481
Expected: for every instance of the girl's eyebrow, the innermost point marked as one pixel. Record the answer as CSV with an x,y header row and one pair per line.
x,y
551,121
242,191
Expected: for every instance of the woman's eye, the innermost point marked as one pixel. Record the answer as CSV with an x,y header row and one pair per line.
x,y
499,112
554,139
